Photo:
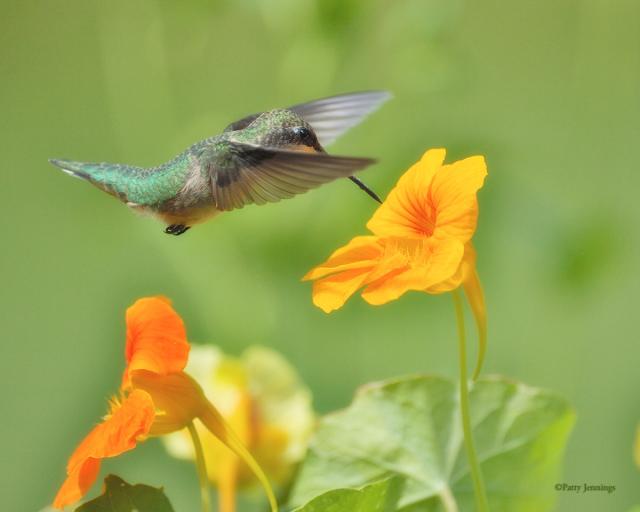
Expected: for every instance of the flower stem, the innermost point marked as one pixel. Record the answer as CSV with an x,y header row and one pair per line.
x,y
482,503
201,467
213,420
227,476
448,501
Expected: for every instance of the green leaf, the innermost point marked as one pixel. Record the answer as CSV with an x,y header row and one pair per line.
x,y
119,496
380,496
411,427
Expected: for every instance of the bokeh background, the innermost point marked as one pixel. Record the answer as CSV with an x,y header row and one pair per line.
x,y
548,91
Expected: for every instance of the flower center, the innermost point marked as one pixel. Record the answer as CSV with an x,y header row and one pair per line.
x,y
115,402
415,251
429,213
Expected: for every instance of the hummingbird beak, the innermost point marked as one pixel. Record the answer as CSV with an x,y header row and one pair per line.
x,y
362,186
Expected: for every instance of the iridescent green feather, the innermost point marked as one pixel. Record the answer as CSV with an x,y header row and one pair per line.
x,y
138,185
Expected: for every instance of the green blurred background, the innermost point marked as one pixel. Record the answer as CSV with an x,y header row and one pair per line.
x,y
548,91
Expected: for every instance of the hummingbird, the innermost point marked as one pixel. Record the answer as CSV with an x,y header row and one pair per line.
x,y
261,158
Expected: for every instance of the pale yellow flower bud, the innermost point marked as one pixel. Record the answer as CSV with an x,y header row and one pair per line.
x,y
262,398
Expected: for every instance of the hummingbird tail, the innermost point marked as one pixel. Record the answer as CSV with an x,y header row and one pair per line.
x,y
75,169
362,186
111,178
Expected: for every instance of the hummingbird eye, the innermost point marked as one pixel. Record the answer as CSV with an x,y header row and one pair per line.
x,y
303,135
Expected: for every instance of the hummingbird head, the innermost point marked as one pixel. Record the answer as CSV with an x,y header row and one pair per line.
x,y
285,129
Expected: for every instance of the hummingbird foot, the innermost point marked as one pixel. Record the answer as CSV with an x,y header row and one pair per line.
x,y
176,229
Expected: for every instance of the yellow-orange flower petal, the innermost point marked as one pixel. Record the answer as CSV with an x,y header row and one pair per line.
x,y
362,260
408,210
453,196
127,423
77,484
400,264
427,263
330,293
156,338
461,275
177,397
361,252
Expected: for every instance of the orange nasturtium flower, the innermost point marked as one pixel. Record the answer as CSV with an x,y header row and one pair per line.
x,y
156,398
421,241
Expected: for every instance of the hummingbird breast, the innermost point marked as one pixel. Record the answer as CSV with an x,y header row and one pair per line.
x,y
186,216
193,203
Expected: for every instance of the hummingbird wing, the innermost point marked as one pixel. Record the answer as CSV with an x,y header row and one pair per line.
x,y
253,174
331,117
